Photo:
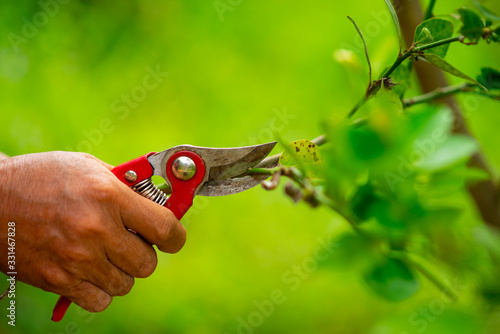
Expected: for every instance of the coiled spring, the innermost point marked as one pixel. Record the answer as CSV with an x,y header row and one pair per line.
x,y
148,189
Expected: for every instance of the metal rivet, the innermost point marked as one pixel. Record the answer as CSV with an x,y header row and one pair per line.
x,y
130,176
183,168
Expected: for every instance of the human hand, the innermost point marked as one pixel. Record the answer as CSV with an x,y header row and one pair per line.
x,y
71,217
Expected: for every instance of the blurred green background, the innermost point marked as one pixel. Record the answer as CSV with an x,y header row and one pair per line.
x,y
236,79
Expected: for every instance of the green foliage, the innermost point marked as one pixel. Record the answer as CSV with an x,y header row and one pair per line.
x,y
489,78
392,280
437,29
473,25
447,67
389,177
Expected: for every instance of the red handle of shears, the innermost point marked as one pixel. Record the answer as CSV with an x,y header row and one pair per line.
x,y
179,202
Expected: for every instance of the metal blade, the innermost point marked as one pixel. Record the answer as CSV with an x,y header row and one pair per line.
x,y
230,186
223,164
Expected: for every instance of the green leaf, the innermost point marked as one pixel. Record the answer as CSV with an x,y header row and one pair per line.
x,y
366,144
489,78
473,25
437,128
363,201
439,29
425,37
392,280
401,77
455,149
447,67
351,252
304,155
396,22
486,12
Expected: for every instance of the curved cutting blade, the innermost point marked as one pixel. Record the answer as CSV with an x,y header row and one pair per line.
x,y
223,166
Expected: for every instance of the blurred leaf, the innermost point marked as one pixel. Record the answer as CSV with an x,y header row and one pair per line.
x,y
347,58
486,12
392,280
396,22
366,144
489,78
439,29
473,25
431,317
488,238
363,200
447,67
456,149
351,252
437,127
303,154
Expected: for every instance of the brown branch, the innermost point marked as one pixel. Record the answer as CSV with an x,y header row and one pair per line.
x,y
485,193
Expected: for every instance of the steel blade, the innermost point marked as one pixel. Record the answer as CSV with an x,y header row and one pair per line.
x,y
222,165
230,186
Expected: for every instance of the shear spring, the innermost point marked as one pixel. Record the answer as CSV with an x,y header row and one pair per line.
x,y
148,189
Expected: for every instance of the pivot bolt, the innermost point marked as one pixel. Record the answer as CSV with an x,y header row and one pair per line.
x,y
130,176
184,168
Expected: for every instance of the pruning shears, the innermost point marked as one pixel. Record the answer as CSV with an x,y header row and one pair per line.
x,y
189,171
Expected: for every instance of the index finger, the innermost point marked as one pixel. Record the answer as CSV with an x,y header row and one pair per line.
x,y
155,223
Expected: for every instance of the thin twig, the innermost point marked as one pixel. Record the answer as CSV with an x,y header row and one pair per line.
x,y
399,60
430,9
366,52
438,93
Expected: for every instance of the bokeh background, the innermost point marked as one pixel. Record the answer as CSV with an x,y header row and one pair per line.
x,y
76,82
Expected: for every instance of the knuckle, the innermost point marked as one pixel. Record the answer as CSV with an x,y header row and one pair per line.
x,y
55,279
147,268
89,226
127,285
100,304
164,229
103,189
180,241
75,255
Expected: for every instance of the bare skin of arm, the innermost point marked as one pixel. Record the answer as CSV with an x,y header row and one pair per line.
x,y
71,218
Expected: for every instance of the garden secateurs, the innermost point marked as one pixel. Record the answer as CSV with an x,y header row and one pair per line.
x,y
190,171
